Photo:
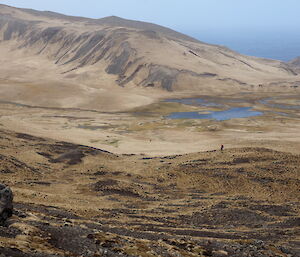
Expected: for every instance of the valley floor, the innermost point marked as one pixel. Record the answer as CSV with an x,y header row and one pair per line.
x,y
146,130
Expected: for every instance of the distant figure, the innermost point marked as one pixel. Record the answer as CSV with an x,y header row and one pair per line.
x,y
222,147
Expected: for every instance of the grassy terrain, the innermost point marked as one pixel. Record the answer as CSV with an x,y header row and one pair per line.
x,y
72,200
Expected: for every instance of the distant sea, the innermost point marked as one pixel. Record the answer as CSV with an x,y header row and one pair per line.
x,y
278,45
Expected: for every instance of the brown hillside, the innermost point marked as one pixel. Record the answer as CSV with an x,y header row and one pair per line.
x,y
56,60
73,200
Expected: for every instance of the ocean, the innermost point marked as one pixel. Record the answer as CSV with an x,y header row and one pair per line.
x,y
278,45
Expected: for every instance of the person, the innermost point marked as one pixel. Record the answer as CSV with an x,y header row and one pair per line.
x,y
222,147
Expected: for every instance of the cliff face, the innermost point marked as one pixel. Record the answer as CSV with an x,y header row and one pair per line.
x,y
125,53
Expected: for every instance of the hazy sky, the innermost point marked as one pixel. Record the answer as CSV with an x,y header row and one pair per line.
x,y
216,21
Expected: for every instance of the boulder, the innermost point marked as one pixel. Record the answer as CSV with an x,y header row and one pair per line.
x,y
6,203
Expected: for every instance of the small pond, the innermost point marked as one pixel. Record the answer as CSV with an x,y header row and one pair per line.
x,y
230,112
239,112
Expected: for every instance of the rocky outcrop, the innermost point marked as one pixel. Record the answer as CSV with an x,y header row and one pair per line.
x,y
6,203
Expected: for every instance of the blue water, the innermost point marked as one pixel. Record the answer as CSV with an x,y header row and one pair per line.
x,y
278,44
232,113
240,112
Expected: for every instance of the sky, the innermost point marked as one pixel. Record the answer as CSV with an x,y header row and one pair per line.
x,y
235,23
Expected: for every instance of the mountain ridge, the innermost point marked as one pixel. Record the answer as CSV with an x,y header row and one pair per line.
x,y
129,57
109,20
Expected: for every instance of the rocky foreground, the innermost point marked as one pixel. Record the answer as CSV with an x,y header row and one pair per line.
x,y
73,200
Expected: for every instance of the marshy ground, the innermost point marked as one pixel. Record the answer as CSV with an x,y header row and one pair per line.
x,y
148,129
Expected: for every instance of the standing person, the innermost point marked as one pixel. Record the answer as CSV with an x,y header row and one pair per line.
x,y
222,147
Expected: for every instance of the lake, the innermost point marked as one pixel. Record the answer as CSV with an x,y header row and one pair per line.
x,y
233,113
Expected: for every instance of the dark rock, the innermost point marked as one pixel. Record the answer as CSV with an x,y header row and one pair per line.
x,y
6,203
19,214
